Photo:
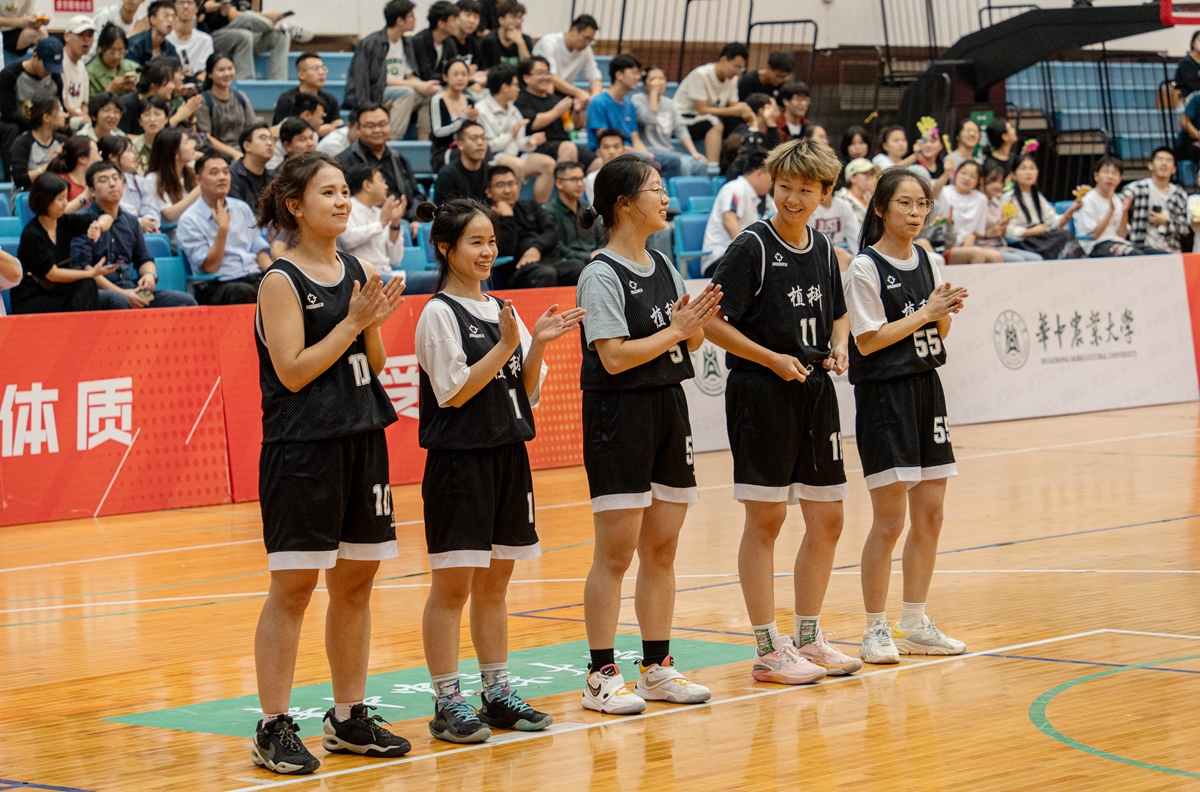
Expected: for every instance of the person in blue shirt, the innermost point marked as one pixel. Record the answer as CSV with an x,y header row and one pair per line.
x,y
218,234
612,109
153,42
134,284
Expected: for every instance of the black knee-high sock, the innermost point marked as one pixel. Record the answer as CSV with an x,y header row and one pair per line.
x,y
655,651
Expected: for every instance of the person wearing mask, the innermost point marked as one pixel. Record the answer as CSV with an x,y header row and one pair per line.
x,y
219,234
570,58
465,177
248,176
74,157
546,110
77,40
1002,136
109,69
376,229
311,71
507,139
138,198
577,241
134,283
527,235
794,100
450,109
223,112
1158,216
371,126
152,120
21,27
33,149
150,43
231,20
170,177
37,75
1187,72
659,121
506,44
435,46
735,208
708,99
780,66
193,45
860,175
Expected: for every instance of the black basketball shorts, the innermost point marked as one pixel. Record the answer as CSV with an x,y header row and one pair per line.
x,y
478,506
786,437
323,500
902,430
637,446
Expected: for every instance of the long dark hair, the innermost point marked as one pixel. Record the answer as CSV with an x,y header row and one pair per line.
x,y
289,184
618,182
848,138
113,146
40,106
163,154
958,128
211,64
450,221
1034,193
44,190
73,149
885,189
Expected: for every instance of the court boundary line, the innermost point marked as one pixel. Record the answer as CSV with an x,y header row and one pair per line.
x,y
528,736
129,555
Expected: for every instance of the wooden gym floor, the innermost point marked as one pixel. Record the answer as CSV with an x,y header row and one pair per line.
x,y
1070,566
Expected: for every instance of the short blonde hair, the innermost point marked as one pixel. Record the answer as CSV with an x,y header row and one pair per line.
x,y
808,159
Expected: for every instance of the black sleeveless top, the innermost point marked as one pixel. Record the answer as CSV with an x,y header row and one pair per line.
x,y
648,303
347,397
498,415
902,292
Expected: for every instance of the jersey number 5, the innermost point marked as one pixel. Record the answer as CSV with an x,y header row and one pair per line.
x,y
362,369
928,342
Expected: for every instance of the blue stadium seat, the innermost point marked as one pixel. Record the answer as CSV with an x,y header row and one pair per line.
x,y
5,211
417,153
414,260
263,93
338,64
159,245
21,204
684,187
700,204
603,62
171,274
7,302
10,227
718,182
689,242
1187,173
9,246
527,190
423,243
189,275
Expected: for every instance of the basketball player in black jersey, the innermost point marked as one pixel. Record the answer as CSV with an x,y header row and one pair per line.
x,y
637,444
785,327
900,316
480,373
323,474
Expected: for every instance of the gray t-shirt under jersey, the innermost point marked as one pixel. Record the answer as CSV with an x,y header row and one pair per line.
x,y
602,296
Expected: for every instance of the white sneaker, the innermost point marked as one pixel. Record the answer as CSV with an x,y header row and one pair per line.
x,y
824,654
926,639
664,683
605,691
877,646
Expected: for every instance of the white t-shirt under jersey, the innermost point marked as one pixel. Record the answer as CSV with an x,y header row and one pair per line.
x,y
862,286
439,345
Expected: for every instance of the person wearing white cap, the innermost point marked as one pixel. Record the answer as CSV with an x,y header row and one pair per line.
x,y
21,26
861,174
77,40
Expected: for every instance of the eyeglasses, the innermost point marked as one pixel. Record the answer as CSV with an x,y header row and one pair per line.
x,y
570,179
475,139
374,127
662,191
505,185
540,73
906,205
319,68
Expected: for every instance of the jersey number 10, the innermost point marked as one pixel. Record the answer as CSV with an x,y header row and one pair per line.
x,y
362,369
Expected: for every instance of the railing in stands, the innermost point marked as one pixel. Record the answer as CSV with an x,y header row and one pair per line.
x,y
1178,13
798,36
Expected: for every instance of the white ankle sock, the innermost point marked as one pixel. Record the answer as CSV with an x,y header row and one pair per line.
x,y
912,614
766,636
876,618
806,628
445,686
493,677
342,711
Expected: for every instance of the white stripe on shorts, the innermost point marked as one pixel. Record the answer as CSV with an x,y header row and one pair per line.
x,y
623,500
517,552
302,559
753,492
375,551
939,472
827,494
460,558
674,494
912,475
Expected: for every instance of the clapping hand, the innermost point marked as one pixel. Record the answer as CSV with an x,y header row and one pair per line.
x,y
552,326
689,316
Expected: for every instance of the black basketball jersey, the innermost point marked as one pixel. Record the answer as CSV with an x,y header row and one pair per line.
x,y
902,292
648,304
780,297
345,398
498,415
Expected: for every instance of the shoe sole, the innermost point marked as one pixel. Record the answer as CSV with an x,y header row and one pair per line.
x,y
880,661
841,670
450,737
653,695
283,768
333,745
908,648
519,725
593,706
762,675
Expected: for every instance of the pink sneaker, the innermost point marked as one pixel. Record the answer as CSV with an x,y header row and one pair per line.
x,y
785,666
822,653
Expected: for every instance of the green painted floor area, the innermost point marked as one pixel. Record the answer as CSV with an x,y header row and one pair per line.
x,y
400,695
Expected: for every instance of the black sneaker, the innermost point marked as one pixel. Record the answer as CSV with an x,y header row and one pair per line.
x,y
509,711
457,722
277,748
362,734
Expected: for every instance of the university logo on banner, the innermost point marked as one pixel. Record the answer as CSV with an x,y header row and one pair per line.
x,y
1010,337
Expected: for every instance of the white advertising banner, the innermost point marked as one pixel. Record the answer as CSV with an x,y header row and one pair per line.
x,y
1039,339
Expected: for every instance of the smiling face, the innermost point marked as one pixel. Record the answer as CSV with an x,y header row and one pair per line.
x,y
472,258
457,76
538,80
968,136
223,73
610,148
108,117
796,197
504,188
325,205
905,214
509,93
966,178
994,186
373,128
648,209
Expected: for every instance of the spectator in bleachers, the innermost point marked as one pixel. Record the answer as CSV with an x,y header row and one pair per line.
x,y
465,176
384,71
110,70
218,234
449,109
465,40
77,40
570,58
105,112
39,74
1187,72
74,157
10,275
489,17
371,127
1002,135
527,234
153,42
152,120
893,149
545,110
223,112
138,199
507,140
170,177
306,108
1104,215
297,137
994,179
435,46
375,230
780,66
248,176
856,144
21,28
966,141
193,46
575,242
815,132
48,285
506,44
1035,224
161,77
859,176
929,150
735,208
227,21
134,283
659,121
794,100
708,99
968,209
610,145
835,218
129,16
1158,216
746,141
312,72
1189,129
33,149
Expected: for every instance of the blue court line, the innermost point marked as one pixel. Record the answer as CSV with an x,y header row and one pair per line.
x,y
5,784
1093,663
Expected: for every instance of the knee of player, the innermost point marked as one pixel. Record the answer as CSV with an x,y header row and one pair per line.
x,y
614,561
659,553
293,598
888,527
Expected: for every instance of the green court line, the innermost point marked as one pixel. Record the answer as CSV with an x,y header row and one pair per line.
x,y
1037,714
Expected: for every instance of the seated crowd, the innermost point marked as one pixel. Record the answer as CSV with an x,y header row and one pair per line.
x,y
132,124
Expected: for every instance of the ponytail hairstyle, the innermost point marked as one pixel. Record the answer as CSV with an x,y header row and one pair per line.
x,y
885,190
289,184
112,147
1034,193
40,106
617,184
450,221
163,153
74,149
